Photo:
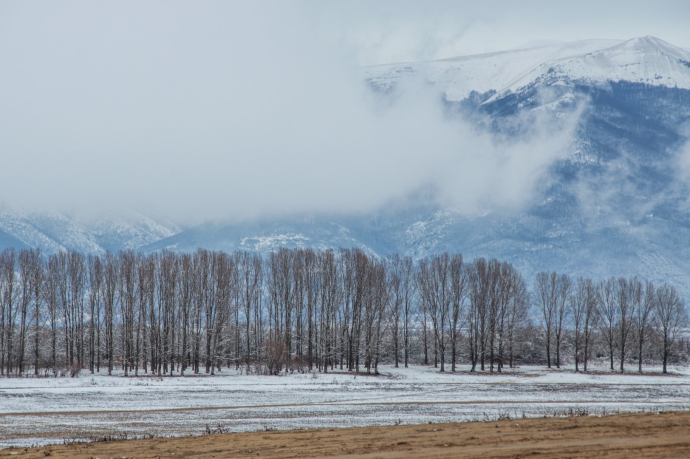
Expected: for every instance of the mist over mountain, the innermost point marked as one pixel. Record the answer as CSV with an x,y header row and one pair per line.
x,y
578,160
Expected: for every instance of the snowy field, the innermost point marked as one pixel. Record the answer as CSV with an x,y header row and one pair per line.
x,y
36,411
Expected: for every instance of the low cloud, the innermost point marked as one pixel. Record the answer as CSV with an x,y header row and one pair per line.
x,y
231,111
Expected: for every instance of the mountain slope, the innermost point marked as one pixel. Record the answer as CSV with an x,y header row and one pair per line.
x,y
646,60
614,206
130,231
52,231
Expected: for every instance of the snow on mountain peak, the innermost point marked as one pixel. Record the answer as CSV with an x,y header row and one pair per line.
x,y
647,60
650,44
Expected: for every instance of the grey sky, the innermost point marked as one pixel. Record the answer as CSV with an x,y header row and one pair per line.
x,y
411,30
214,109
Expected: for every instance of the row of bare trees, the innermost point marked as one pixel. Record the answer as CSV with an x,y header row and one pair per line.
x,y
302,310
625,313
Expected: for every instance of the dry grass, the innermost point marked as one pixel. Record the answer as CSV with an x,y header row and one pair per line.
x,y
626,435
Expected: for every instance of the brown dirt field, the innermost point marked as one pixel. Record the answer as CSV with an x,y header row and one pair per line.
x,y
621,436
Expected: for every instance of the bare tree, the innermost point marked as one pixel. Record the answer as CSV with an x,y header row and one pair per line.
x,y
608,313
434,286
517,310
584,304
478,283
563,294
8,263
95,268
672,318
330,297
627,294
52,293
395,280
546,298
38,283
26,262
643,315
511,310
458,296
110,281
251,283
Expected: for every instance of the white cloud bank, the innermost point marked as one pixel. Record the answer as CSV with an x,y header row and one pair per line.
x,y
228,110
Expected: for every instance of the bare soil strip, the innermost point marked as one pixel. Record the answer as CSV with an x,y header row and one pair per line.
x,y
639,435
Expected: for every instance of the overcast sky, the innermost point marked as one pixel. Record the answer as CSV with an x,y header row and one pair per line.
x,y
384,32
197,110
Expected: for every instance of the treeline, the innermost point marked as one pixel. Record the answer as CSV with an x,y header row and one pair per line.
x,y
302,310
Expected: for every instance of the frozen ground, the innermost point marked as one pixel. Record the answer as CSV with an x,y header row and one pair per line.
x,y
47,410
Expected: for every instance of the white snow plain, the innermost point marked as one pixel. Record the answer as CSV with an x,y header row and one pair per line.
x,y
36,411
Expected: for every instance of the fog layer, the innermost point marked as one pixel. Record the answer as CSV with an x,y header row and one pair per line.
x,y
230,110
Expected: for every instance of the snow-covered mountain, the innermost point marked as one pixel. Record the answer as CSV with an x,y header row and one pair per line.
x,y
614,206
646,60
53,231
617,205
130,231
